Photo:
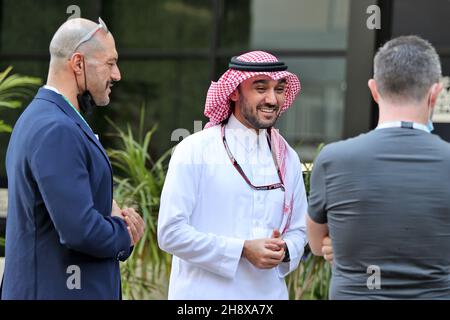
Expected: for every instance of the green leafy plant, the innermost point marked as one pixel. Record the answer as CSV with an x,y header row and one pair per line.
x,y
138,183
13,89
2,242
311,281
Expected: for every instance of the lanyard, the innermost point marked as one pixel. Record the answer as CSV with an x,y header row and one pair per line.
x,y
278,185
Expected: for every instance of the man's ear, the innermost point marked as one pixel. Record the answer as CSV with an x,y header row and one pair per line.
x,y
373,90
434,92
76,63
235,95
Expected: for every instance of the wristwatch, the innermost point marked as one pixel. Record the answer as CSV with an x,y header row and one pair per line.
x,y
287,258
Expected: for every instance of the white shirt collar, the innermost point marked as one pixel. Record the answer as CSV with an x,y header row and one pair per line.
x,y
52,89
403,124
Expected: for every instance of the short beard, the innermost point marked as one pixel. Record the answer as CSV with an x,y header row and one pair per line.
x,y
252,119
104,100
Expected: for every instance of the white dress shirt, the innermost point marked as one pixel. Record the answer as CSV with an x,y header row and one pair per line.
x,y
207,210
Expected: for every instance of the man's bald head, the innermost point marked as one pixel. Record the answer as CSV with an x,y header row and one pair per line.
x,y
69,35
83,58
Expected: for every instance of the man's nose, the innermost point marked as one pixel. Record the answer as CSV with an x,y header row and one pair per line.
x,y
115,75
271,97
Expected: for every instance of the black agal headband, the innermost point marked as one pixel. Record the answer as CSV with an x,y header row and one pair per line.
x,y
236,64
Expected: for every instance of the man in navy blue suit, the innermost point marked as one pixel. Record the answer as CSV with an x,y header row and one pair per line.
x,y
64,234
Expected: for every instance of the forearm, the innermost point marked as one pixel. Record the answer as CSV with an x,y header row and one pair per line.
x,y
316,233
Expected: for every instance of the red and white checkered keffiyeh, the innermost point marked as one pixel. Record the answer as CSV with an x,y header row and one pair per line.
x,y
217,106
279,149
217,109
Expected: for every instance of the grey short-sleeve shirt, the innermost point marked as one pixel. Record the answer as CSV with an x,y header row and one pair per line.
x,y
386,198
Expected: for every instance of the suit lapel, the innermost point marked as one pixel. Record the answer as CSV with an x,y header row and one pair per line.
x,y
57,99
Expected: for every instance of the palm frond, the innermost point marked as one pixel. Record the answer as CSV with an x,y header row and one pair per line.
x,y
14,88
4,127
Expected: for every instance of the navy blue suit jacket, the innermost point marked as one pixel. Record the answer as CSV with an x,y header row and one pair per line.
x,y
61,241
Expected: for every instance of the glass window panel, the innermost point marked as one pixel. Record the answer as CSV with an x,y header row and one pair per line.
x,y
317,113
286,24
235,29
420,18
160,23
27,26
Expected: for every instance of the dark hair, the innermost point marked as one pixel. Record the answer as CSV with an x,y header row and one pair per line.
x,y
406,67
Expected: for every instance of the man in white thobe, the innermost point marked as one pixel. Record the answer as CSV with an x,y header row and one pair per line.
x,y
233,205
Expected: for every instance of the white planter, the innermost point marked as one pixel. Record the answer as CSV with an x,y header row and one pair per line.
x,y
2,263
3,202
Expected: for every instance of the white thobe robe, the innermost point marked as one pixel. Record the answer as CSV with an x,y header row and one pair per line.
x,y
207,211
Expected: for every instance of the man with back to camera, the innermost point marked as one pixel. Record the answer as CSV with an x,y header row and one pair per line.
x,y
64,235
384,197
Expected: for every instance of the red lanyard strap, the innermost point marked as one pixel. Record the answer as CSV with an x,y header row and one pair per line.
x,y
278,185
